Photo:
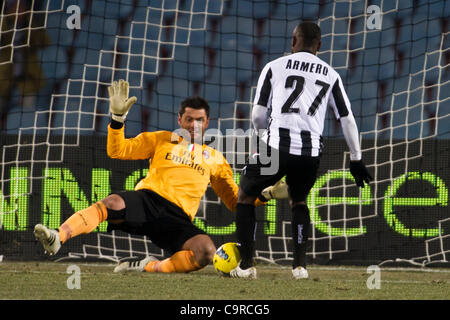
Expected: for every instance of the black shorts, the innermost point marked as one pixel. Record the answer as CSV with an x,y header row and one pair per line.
x,y
300,172
163,222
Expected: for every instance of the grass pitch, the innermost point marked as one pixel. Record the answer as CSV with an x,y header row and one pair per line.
x,y
48,280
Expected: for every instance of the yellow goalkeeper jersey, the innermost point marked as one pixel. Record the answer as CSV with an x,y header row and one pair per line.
x,y
179,171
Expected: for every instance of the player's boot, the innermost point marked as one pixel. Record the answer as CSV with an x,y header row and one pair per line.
x,y
249,273
134,265
49,239
300,273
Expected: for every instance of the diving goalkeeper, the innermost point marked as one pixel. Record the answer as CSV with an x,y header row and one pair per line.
x,y
164,203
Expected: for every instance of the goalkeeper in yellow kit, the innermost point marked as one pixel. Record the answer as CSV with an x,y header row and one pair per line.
x,y
164,203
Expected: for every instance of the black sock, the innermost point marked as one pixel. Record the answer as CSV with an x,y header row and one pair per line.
x,y
300,234
245,232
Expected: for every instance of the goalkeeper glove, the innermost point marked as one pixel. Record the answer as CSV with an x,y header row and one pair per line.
x,y
119,103
278,191
360,173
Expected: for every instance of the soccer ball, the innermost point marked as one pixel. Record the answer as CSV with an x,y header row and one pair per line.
x,y
226,258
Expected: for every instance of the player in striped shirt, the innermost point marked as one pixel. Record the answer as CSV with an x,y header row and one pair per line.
x,y
291,101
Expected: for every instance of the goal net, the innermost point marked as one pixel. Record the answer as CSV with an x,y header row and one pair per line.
x,y
57,59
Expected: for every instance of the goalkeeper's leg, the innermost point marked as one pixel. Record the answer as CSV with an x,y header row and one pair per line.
x,y
81,222
196,253
86,220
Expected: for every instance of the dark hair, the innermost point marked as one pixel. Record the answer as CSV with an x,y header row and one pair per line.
x,y
310,32
194,102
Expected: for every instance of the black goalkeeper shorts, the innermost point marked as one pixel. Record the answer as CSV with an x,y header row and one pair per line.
x,y
163,222
300,172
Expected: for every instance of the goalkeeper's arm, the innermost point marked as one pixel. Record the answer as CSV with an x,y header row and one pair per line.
x,y
119,103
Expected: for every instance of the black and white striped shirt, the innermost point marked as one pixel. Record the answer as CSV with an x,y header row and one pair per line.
x,y
296,89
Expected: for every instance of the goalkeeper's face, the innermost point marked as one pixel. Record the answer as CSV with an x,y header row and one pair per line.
x,y
195,122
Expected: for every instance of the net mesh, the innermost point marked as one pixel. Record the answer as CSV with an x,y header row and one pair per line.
x,y
394,64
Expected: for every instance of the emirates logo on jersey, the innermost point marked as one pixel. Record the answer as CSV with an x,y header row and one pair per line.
x,y
185,159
